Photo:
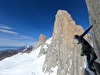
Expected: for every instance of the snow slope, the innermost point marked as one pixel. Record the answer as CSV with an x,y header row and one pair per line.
x,y
25,64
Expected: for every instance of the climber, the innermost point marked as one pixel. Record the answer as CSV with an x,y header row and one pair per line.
x,y
87,49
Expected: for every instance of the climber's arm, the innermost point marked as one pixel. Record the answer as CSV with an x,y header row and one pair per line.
x,y
81,36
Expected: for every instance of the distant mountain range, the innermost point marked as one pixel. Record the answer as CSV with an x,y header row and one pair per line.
x,y
11,52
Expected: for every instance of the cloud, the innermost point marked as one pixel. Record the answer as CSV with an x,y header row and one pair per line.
x,y
16,39
24,37
2,26
8,31
12,42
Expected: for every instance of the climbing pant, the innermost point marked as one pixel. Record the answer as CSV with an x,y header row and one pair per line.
x,y
90,59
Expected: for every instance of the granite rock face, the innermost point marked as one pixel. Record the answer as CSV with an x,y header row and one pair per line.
x,y
64,52
41,41
94,17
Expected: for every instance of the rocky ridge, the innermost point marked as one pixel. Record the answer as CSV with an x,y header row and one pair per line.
x,y
41,41
64,52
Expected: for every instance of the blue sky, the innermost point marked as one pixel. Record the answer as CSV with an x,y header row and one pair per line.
x,y
22,21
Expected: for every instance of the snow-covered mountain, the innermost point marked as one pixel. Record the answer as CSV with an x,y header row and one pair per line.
x,y
8,53
26,64
26,49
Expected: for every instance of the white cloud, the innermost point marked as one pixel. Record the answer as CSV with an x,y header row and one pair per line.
x,y
2,26
24,37
17,40
12,42
8,31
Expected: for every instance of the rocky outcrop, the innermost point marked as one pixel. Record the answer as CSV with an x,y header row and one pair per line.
x,y
41,41
94,17
64,52
44,47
